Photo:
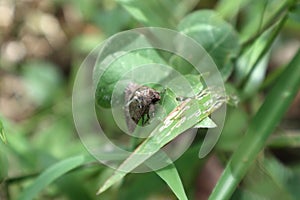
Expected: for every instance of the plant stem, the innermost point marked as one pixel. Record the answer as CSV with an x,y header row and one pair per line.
x,y
291,140
267,46
262,125
17,179
283,9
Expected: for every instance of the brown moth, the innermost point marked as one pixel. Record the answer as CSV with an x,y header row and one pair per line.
x,y
139,104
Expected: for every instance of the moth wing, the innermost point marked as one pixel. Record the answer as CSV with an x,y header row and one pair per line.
x,y
129,91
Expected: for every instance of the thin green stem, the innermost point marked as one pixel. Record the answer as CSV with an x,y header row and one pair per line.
x,y
283,10
267,47
285,140
21,178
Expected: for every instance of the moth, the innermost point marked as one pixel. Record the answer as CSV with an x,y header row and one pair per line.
x,y
139,104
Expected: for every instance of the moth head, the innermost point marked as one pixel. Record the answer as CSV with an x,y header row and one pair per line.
x,y
155,96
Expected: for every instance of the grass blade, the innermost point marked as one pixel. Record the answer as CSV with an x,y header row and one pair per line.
x,y
170,175
262,125
51,174
183,117
2,133
289,139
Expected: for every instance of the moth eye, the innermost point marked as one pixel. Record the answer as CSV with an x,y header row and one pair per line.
x,y
140,106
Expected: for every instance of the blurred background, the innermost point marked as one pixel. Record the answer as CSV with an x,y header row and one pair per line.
x,y
43,43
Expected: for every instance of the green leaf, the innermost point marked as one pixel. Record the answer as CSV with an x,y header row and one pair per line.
x,y
253,19
206,123
43,80
51,174
259,16
4,162
2,133
113,19
183,117
263,124
85,43
170,175
196,82
160,13
118,69
286,139
229,8
295,13
168,102
21,148
217,37
181,65
254,58
256,78
237,121
278,173
268,178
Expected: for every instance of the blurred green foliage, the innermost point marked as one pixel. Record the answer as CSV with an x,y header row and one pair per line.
x,y
43,44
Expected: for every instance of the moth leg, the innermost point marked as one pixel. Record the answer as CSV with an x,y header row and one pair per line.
x,y
143,120
148,117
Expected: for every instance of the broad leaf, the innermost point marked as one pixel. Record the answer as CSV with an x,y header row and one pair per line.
x,y
217,37
118,68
